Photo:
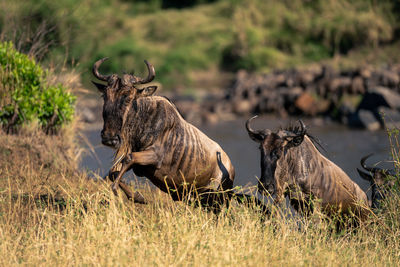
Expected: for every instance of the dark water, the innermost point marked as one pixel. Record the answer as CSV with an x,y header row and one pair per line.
x,y
345,147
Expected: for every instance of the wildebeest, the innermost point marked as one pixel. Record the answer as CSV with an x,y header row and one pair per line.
x,y
153,139
379,179
292,166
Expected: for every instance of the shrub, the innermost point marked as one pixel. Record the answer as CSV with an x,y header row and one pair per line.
x,y
26,95
304,31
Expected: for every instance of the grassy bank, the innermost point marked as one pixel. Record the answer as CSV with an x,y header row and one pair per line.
x,y
50,214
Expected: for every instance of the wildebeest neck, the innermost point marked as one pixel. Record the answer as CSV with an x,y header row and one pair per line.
x,y
297,163
305,168
147,120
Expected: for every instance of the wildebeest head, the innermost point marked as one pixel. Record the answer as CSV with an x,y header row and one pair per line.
x,y
118,93
273,145
380,180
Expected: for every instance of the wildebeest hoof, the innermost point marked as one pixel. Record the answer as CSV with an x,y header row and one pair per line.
x,y
114,188
113,175
138,198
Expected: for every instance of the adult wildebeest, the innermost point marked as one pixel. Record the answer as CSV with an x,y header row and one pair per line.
x,y
292,166
380,181
153,140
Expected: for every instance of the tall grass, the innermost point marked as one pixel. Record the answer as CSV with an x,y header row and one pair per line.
x,y
51,214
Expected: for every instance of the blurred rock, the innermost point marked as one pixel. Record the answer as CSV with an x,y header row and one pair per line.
x,y
340,83
380,96
389,78
242,107
307,104
364,119
313,91
357,85
310,106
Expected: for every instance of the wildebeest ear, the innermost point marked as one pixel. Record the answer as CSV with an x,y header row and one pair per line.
x,y
100,87
148,91
364,175
294,141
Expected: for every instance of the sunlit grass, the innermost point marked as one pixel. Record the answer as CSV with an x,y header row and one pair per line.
x,y
51,214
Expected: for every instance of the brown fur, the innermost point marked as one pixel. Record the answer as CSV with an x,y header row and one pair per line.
x,y
172,153
154,141
305,169
291,165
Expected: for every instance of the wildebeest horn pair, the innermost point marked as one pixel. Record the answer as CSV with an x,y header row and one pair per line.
x,y
373,170
260,135
138,80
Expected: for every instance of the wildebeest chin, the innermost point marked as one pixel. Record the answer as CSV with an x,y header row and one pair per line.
x,y
292,166
153,140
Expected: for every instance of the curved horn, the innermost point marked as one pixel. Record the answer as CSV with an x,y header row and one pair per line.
x,y
150,76
248,128
302,127
370,169
375,169
96,72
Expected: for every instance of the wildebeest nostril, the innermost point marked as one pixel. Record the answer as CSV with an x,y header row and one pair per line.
x,y
110,140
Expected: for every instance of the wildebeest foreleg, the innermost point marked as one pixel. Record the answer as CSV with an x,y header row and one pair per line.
x,y
135,196
147,157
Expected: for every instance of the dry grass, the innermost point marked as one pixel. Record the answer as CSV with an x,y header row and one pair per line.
x,y
80,222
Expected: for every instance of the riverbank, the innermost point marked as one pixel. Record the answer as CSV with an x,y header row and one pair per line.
x,y
366,97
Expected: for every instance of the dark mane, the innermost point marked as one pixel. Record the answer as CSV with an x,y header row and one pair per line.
x,y
291,127
150,117
296,129
169,100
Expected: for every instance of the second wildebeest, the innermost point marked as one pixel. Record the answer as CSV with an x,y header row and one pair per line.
x,y
153,140
292,166
380,180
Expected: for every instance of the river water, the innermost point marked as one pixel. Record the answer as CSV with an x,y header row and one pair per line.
x,y
343,146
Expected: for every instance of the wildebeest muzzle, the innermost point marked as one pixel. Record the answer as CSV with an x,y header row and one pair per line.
x,y
267,189
110,140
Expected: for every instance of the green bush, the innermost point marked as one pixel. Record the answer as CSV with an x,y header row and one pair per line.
x,y
304,31
257,35
25,94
